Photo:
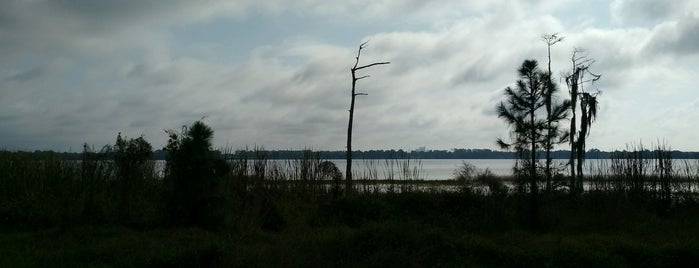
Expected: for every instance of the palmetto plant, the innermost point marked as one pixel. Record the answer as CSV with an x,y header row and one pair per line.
x,y
193,174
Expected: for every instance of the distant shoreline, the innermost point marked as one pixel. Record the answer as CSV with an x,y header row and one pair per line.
x,y
392,154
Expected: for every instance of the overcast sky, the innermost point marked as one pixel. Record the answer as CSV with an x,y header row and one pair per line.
x,y
275,73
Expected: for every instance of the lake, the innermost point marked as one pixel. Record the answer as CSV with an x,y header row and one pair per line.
x,y
442,169
430,169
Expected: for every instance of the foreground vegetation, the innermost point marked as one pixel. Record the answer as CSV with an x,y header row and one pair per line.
x,y
378,230
115,208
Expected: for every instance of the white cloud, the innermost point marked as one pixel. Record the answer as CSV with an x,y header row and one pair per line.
x,y
81,72
649,12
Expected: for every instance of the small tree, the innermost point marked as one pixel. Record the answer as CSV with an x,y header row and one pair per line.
x,y
132,158
520,112
193,172
531,130
355,78
526,127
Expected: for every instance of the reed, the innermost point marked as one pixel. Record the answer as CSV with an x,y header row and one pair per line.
x,y
285,213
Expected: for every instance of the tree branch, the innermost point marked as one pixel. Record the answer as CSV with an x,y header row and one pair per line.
x,y
552,39
359,53
369,65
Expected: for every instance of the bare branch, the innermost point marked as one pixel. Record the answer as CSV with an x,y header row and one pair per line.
x,y
591,80
361,94
552,39
363,45
359,53
362,77
373,64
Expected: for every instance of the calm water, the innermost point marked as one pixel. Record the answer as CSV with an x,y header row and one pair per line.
x,y
442,169
430,169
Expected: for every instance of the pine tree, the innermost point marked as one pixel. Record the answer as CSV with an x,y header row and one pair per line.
x,y
531,129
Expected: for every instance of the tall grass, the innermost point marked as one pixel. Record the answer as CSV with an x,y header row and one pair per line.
x,y
41,190
288,213
310,174
45,190
651,173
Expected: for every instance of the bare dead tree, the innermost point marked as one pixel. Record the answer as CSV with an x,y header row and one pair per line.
x,y
575,81
588,110
355,78
550,39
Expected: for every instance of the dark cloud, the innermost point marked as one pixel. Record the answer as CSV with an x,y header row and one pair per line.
x,y
152,76
680,38
28,75
646,12
485,69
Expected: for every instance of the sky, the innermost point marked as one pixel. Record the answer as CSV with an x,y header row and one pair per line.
x,y
276,73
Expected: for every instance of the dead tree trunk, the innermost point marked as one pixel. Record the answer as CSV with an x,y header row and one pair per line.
x,y
355,68
588,107
588,110
573,81
550,39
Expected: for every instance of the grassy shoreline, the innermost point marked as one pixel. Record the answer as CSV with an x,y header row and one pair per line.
x,y
395,229
75,214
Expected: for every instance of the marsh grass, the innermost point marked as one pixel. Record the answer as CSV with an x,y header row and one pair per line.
x,y
293,213
648,174
45,190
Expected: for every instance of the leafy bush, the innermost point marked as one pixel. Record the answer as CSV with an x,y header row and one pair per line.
x,y
193,174
465,172
135,175
494,184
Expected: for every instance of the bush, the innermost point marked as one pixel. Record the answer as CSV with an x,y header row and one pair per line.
x,y
134,166
193,175
465,173
494,184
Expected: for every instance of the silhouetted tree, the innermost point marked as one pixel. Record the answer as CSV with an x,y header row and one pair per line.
x,y
132,158
95,172
193,172
552,131
588,113
355,78
575,81
526,128
329,171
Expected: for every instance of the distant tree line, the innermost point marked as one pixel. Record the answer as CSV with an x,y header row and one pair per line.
x,y
399,154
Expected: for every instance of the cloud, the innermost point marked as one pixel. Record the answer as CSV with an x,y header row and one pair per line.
x,y
28,74
78,71
648,12
678,38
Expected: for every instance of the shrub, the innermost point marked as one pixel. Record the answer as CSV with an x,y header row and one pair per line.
x,y
193,174
465,172
495,185
134,166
